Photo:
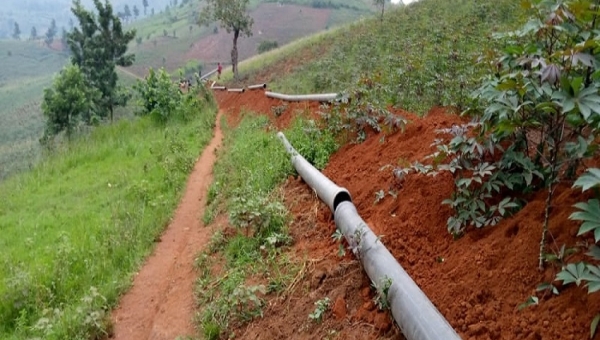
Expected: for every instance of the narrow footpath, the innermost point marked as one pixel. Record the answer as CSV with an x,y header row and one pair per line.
x,y
160,305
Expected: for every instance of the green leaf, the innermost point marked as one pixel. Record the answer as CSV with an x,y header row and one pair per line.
x,y
594,252
590,214
594,325
590,179
572,273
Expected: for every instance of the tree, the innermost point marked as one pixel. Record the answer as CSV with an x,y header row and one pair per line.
x,y
127,12
67,102
136,11
50,33
152,12
17,32
145,4
233,17
71,24
381,3
98,45
63,39
33,34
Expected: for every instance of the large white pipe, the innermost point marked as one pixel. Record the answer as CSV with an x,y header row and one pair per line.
x,y
236,90
417,317
208,74
325,97
327,191
257,86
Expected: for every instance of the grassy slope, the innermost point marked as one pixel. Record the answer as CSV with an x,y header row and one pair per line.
x,y
23,76
415,64
77,225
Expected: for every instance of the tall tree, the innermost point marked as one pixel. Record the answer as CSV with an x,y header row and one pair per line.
x,y
145,4
136,11
50,33
98,45
234,18
63,39
127,12
33,34
17,32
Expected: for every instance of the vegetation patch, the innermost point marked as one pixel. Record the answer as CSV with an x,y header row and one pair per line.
x,y
79,224
251,250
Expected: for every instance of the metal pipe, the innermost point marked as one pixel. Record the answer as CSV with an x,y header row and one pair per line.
x,y
236,90
417,317
257,86
327,191
325,97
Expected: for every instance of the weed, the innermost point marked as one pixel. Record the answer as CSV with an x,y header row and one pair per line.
x,y
381,292
320,310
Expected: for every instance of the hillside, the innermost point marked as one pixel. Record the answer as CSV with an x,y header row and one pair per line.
x,y
172,39
26,69
39,13
478,192
490,280
28,66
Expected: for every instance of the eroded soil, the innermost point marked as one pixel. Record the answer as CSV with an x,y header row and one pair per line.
x,y
477,281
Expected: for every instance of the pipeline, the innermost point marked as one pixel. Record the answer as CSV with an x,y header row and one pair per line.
x,y
208,74
237,90
302,97
417,317
213,87
257,86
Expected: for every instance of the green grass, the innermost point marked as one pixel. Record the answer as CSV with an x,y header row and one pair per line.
x,y
247,175
23,76
77,226
289,51
422,55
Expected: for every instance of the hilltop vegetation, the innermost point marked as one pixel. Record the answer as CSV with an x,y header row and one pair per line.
x,y
169,39
25,72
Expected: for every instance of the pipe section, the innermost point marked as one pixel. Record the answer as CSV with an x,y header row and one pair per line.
x,y
236,90
327,191
325,97
257,86
417,317
208,74
413,311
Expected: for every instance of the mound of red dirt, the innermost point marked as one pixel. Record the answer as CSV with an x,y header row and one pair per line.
x,y
281,113
478,281
352,313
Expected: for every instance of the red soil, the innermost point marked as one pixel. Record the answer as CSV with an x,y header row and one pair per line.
x,y
234,104
477,282
269,19
161,304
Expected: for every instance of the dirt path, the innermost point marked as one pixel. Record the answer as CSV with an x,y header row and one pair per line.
x,y
160,305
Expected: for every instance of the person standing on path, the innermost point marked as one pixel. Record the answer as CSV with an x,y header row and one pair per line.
x,y
219,69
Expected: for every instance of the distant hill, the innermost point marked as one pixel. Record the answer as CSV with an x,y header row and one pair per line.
x,y
169,38
172,39
39,13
